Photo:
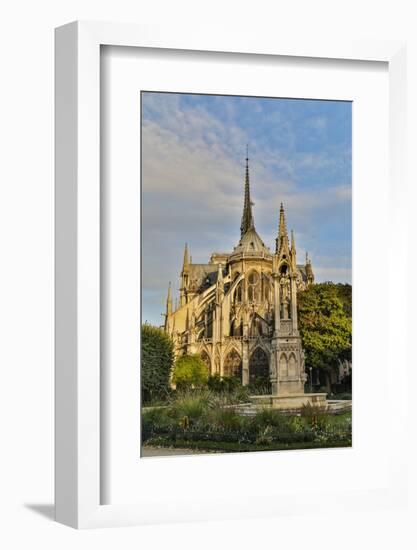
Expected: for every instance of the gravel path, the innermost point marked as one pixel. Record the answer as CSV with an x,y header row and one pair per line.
x,y
166,451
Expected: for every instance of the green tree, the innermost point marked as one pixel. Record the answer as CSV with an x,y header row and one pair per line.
x,y
157,361
325,323
190,371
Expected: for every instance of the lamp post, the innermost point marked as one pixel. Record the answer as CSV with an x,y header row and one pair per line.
x,y
311,379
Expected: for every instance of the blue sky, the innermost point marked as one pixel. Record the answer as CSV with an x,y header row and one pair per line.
x,y
193,164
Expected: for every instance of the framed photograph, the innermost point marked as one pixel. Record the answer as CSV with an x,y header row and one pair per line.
x,y
255,349
222,211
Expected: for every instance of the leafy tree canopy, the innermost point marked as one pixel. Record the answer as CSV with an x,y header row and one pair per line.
x,y
157,361
325,323
190,371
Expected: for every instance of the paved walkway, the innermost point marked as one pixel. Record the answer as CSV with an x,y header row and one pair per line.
x,y
166,451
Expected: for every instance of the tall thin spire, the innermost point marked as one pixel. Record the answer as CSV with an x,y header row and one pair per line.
x,y
282,230
247,218
186,261
169,300
282,224
309,270
184,277
292,240
168,311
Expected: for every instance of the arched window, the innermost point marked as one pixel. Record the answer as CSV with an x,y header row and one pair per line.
x,y
259,366
233,364
238,293
254,287
208,332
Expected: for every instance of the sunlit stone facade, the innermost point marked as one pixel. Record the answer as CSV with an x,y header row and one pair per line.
x,y
239,311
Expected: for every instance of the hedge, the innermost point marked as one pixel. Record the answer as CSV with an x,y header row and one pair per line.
x,y
157,361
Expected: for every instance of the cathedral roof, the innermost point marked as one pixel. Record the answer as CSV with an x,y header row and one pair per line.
x,y
251,244
302,271
202,270
202,275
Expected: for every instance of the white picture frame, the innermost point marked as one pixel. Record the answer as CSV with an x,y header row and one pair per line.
x,y
78,406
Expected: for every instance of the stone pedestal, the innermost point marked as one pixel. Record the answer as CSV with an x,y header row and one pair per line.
x,y
289,401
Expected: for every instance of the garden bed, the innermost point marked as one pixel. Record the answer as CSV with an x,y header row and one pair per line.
x,y
209,421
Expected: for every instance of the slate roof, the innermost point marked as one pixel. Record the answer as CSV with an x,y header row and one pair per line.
x,y
251,244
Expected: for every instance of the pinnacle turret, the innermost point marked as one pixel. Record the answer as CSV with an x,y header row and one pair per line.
x,y
309,270
219,284
186,261
282,238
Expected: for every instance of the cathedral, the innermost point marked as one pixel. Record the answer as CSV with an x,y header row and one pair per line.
x,y
239,311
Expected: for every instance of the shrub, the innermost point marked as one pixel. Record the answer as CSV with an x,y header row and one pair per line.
x,y
154,420
225,384
215,383
343,396
225,419
157,360
239,395
260,386
315,415
271,417
265,436
190,371
190,405
297,424
228,390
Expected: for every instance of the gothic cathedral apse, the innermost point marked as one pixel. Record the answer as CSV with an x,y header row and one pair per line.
x,y
239,310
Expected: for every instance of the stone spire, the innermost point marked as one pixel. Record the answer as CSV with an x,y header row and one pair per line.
x,y
169,300
309,270
282,238
247,218
292,241
168,311
186,261
185,277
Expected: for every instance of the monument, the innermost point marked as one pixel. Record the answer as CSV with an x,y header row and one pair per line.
x,y
239,312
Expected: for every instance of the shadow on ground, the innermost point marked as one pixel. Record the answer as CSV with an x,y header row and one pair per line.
x,y
45,510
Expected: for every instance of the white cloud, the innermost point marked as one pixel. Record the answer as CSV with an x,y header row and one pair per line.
x,y
193,180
